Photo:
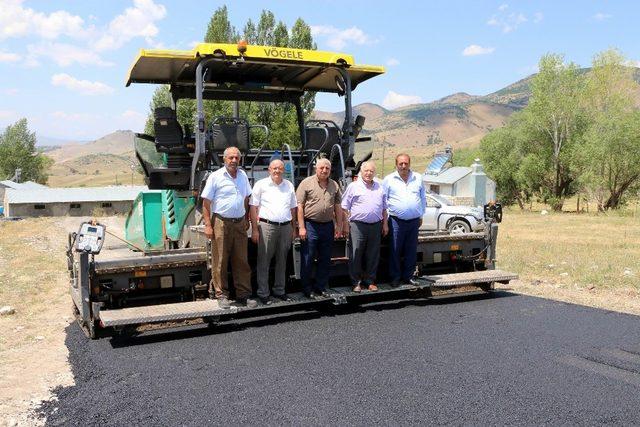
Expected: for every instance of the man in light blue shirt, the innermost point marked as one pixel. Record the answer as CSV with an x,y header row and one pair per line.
x,y
406,202
225,203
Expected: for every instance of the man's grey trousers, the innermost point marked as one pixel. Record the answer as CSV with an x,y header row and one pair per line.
x,y
364,251
275,240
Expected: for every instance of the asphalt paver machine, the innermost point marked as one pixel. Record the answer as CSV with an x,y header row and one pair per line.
x,y
160,275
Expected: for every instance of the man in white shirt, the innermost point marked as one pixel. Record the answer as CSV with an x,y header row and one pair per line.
x,y
406,201
225,201
273,212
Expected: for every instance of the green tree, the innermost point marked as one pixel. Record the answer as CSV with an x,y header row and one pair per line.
x,y
556,120
266,28
220,29
610,156
281,35
503,152
250,33
18,151
281,119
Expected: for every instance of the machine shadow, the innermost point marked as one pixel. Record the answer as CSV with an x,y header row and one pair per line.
x,y
328,310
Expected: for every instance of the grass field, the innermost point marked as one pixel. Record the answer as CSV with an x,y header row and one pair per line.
x,y
590,259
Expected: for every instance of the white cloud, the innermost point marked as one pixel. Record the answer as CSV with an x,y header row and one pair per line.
x,y
392,62
394,100
338,39
602,16
65,54
18,21
474,50
88,126
538,17
9,57
84,87
7,117
136,21
11,91
507,21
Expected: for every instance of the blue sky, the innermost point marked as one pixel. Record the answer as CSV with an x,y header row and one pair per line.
x,y
63,63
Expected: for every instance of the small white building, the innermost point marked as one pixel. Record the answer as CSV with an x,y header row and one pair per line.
x,y
464,185
78,201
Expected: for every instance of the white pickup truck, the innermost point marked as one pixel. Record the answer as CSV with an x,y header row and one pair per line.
x,y
442,215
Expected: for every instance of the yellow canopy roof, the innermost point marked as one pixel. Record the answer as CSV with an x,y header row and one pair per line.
x,y
264,67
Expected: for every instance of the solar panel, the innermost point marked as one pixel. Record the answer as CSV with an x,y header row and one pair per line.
x,y
438,163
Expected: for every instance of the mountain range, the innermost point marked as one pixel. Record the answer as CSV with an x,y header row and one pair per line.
x,y
459,120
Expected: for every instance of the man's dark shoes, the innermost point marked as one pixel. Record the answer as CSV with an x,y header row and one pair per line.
x,y
266,300
410,282
320,294
223,303
283,297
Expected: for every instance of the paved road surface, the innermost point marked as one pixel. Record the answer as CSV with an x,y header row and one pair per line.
x,y
507,359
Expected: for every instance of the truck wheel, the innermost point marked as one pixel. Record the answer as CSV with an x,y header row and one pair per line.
x,y
459,226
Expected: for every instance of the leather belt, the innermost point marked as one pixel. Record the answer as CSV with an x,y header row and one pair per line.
x,y
403,220
240,219
274,222
318,222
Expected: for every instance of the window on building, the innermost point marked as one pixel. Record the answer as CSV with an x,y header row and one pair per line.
x,y
39,207
434,188
75,206
106,204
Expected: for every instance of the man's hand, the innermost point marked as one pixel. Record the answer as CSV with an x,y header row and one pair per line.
x,y
246,224
208,231
385,228
303,233
420,223
338,233
255,235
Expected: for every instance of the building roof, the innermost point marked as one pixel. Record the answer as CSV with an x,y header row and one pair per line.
x,y
29,185
449,176
76,195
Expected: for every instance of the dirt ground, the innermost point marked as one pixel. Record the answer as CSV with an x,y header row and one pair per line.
x,y
34,281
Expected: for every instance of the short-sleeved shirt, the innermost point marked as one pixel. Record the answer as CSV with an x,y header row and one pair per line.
x,y
227,194
405,200
365,203
274,201
318,203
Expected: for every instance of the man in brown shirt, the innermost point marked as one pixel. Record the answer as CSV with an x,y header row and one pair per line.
x,y
318,198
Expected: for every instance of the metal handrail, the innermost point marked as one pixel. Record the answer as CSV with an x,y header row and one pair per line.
x,y
266,140
343,179
326,139
293,176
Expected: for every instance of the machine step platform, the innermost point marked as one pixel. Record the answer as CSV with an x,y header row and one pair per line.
x,y
470,278
339,295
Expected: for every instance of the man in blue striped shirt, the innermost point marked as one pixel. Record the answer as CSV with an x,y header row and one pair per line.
x,y
406,202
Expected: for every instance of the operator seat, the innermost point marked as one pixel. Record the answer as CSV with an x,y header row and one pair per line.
x,y
321,138
169,136
228,132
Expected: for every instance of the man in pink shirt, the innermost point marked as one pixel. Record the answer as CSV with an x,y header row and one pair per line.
x,y
366,206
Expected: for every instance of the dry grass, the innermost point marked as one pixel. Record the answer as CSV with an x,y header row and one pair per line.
x,y
34,281
590,259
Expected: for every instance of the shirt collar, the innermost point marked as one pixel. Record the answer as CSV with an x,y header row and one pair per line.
x,y
373,183
397,174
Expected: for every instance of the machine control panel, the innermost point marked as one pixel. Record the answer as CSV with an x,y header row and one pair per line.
x,y
90,238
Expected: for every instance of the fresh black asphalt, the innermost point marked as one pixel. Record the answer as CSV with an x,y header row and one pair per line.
x,y
503,359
